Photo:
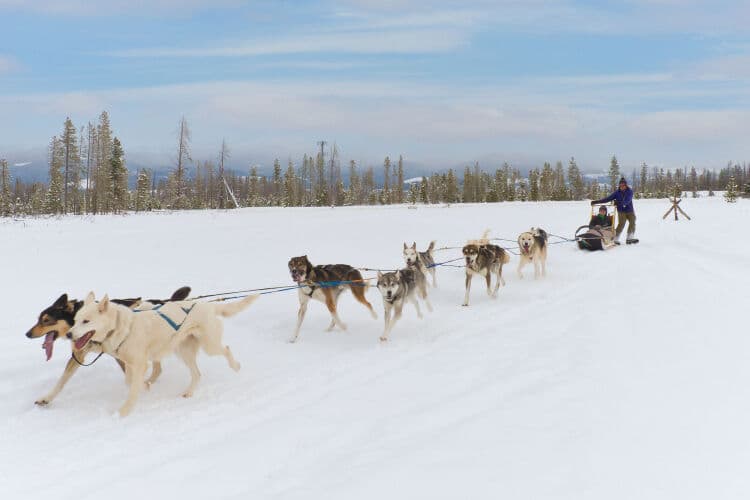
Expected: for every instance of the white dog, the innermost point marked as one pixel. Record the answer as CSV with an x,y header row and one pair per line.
x,y
533,248
139,337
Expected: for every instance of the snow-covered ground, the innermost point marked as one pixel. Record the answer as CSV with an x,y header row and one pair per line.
x,y
623,374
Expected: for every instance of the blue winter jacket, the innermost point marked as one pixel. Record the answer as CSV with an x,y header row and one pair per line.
x,y
623,200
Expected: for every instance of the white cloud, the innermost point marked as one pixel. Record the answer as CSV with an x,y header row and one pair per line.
x,y
7,64
110,7
395,42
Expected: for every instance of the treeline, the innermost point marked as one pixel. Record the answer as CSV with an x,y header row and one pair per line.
x,y
88,175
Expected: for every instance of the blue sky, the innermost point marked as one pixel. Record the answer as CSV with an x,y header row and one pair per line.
x,y
443,82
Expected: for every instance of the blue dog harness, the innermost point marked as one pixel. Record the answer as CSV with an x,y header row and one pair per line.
x,y
170,321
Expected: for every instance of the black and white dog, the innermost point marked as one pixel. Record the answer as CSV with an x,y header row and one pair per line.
x,y
398,288
423,261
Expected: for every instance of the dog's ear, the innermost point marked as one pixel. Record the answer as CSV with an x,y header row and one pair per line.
x,y
398,274
405,247
380,275
137,302
61,301
414,245
104,303
89,298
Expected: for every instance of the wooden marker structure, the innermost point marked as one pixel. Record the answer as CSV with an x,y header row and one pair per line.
x,y
676,208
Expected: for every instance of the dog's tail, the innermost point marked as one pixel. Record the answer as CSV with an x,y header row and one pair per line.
x,y
505,257
484,240
431,248
231,308
180,294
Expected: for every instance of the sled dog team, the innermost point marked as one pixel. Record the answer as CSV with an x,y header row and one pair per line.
x,y
140,333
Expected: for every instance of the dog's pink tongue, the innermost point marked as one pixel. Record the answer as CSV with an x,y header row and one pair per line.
x,y
49,344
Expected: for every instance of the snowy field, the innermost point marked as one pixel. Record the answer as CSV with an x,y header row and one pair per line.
x,y
623,374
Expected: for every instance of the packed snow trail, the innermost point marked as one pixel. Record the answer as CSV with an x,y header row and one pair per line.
x,y
623,374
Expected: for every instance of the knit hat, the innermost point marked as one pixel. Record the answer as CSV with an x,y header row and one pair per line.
x,y
603,207
623,181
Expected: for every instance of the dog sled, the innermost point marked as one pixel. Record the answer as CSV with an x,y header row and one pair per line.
x,y
593,237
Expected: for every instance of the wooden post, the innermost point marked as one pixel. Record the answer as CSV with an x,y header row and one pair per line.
x,y
676,207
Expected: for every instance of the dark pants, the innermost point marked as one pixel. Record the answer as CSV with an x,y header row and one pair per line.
x,y
628,217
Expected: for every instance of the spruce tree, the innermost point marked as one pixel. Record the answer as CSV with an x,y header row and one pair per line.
x,y
53,203
119,178
575,179
386,196
6,198
71,162
400,180
614,173
103,181
143,191
730,195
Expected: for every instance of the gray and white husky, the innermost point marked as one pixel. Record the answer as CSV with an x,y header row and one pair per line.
x,y
398,288
423,261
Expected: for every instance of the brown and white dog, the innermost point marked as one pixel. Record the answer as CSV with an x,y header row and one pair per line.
x,y
326,283
55,321
484,259
533,248
139,337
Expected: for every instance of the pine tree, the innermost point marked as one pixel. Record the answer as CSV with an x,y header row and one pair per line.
x,y
276,185
143,191
253,195
102,151
468,186
644,188
221,192
119,178
560,188
575,179
290,187
614,173
71,161
451,188
534,185
730,195
400,180
386,197
179,196
6,198
321,186
423,190
546,182
353,195
53,203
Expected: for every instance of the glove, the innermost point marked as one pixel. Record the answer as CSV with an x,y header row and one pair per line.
x,y
593,203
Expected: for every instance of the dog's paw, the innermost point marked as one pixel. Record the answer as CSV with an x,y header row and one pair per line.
x,y
124,412
187,394
384,339
41,402
465,305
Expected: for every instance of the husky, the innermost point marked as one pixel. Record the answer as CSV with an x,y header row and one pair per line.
x,y
397,288
326,283
424,261
136,337
55,321
484,259
533,248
